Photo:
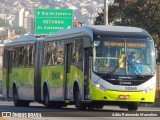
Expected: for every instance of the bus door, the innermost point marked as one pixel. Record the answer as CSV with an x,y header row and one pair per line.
x,y
86,74
68,56
9,70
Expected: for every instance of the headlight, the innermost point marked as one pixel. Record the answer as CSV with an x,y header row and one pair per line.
x,y
99,86
149,88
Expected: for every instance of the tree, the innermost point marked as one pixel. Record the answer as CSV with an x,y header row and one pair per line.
x,y
4,34
112,16
19,30
4,23
99,19
137,13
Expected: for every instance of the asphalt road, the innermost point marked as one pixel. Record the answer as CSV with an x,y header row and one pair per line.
x,y
37,111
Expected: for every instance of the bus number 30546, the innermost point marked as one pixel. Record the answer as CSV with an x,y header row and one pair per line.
x,y
130,88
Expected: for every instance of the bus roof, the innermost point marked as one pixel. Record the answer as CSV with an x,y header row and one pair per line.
x,y
121,32
92,31
29,38
26,39
73,32
103,31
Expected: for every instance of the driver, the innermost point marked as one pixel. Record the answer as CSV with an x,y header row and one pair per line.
x,y
132,58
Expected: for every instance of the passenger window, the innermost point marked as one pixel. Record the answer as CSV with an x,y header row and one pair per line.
x,y
30,55
54,53
59,55
77,51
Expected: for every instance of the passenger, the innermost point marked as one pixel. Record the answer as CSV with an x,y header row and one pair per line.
x,y
122,60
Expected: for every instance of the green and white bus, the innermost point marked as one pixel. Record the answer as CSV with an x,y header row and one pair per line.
x,y
89,66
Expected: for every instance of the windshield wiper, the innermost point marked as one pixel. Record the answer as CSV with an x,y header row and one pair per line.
x,y
111,72
130,63
134,67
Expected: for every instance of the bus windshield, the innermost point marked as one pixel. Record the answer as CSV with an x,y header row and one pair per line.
x,y
124,56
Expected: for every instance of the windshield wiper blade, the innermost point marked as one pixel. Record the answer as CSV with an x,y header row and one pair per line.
x,y
134,67
111,72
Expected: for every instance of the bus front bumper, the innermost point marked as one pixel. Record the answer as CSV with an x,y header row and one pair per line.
x,y
125,96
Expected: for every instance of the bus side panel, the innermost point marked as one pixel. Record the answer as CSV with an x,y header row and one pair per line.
x,y
53,75
4,78
24,79
4,74
75,75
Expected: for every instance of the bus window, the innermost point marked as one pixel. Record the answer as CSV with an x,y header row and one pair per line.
x,y
24,56
14,57
119,59
53,53
32,55
20,56
17,57
29,55
59,56
47,54
44,54
77,51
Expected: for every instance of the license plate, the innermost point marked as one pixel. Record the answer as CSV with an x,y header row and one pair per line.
x,y
124,96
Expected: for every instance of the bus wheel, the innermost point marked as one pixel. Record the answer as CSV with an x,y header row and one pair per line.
x,y
99,107
15,97
46,97
56,105
123,106
77,99
25,103
18,102
132,106
95,107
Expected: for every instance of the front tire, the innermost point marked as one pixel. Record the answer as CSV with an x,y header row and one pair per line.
x,y
77,99
132,106
95,107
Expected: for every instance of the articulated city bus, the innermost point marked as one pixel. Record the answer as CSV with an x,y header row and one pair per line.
x,y
89,66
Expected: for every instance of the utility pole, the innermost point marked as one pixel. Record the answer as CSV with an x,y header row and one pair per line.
x,y
106,12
